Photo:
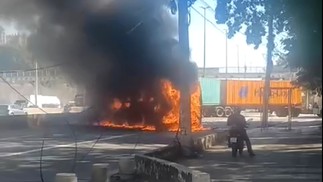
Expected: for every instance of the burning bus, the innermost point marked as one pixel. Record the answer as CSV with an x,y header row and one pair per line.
x,y
155,114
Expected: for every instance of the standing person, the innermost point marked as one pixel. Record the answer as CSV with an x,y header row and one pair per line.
x,y
238,120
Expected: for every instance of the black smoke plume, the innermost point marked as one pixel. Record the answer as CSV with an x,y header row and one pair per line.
x,y
115,48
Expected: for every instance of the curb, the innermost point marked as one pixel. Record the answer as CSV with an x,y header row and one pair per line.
x,y
157,166
205,142
169,153
159,169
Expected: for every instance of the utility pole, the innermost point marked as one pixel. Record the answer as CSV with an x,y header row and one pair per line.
x,y
290,92
185,119
245,65
238,58
226,54
204,38
36,83
269,67
290,109
185,137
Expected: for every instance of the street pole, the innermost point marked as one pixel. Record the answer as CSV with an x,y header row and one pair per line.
x,y
185,115
290,92
226,54
36,83
245,65
204,39
269,67
238,58
289,109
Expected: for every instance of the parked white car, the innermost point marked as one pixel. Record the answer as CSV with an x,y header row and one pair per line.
x,y
11,109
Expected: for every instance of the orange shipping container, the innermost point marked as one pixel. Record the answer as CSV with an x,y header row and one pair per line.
x,y
250,93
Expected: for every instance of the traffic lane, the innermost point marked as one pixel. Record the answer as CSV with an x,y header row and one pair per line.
x,y
8,134
295,164
58,156
289,159
16,141
303,120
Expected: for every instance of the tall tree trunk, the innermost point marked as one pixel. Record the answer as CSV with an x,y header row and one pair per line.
x,y
185,115
269,67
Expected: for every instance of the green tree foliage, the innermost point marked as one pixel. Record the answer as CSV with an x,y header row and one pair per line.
x,y
254,15
305,43
300,19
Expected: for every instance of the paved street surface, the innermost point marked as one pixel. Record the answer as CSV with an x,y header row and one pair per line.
x,y
20,151
281,155
303,119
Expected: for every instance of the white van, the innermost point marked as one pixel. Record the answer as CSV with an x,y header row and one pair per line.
x,y
45,101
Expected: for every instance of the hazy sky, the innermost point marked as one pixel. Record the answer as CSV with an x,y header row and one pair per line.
x,y
215,42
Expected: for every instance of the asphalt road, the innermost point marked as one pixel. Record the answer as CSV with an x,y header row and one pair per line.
x,y
20,148
302,120
282,155
20,151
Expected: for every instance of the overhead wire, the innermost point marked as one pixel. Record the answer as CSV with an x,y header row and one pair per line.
x,y
53,66
214,25
141,133
99,137
43,141
93,145
32,69
213,11
209,21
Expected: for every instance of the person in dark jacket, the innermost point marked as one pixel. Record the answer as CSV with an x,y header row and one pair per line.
x,y
239,121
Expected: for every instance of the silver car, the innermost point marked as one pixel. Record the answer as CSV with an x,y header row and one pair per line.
x,y
11,109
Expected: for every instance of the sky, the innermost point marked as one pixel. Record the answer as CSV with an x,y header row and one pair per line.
x,y
215,43
239,53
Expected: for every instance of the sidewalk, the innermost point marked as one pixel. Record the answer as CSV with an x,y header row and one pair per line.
x,y
281,156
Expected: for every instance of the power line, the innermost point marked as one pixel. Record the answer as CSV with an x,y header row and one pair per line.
x,y
32,69
215,26
213,11
43,141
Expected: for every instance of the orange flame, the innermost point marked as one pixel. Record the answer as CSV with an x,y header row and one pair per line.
x,y
172,119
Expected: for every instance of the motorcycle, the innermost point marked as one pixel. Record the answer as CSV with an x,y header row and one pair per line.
x,y
236,142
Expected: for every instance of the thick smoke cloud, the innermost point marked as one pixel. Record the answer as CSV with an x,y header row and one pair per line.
x,y
116,48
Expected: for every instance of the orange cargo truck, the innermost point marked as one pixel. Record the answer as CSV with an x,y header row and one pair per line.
x,y
220,96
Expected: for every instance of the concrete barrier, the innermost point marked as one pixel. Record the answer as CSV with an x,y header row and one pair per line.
x,y
65,177
127,166
38,121
170,152
156,164
101,172
158,169
207,141
35,111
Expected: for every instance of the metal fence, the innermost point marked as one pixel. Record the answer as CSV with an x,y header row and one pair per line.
x,y
43,75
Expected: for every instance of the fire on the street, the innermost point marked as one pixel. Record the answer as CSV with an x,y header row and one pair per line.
x,y
171,121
